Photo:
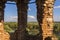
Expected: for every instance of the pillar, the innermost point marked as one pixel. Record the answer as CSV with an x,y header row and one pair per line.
x,y
39,16
45,17
22,6
2,6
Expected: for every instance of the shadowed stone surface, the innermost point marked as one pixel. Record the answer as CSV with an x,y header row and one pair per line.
x,y
22,6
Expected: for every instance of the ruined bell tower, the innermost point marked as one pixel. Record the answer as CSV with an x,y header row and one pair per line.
x,y
44,18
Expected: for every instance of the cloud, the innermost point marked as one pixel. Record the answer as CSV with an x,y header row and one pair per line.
x,y
57,7
10,19
29,16
56,18
29,9
14,18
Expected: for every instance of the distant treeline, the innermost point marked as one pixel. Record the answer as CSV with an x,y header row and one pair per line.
x,y
32,28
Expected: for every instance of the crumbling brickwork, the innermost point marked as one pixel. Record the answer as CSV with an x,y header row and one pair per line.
x,y
3,34
45,17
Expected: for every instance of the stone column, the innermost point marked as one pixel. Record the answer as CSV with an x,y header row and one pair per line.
x,y
40,16
45,17
2,6
22,6
2,32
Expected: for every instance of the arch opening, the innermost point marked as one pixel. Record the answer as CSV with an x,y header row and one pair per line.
x,y
32,24
10,17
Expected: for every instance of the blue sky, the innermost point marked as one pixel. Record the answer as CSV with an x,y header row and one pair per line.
x,y
11,12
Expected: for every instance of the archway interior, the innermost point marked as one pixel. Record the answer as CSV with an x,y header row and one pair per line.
x,y
10,17
32,24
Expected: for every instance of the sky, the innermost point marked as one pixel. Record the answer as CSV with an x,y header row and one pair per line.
x,y
11,12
